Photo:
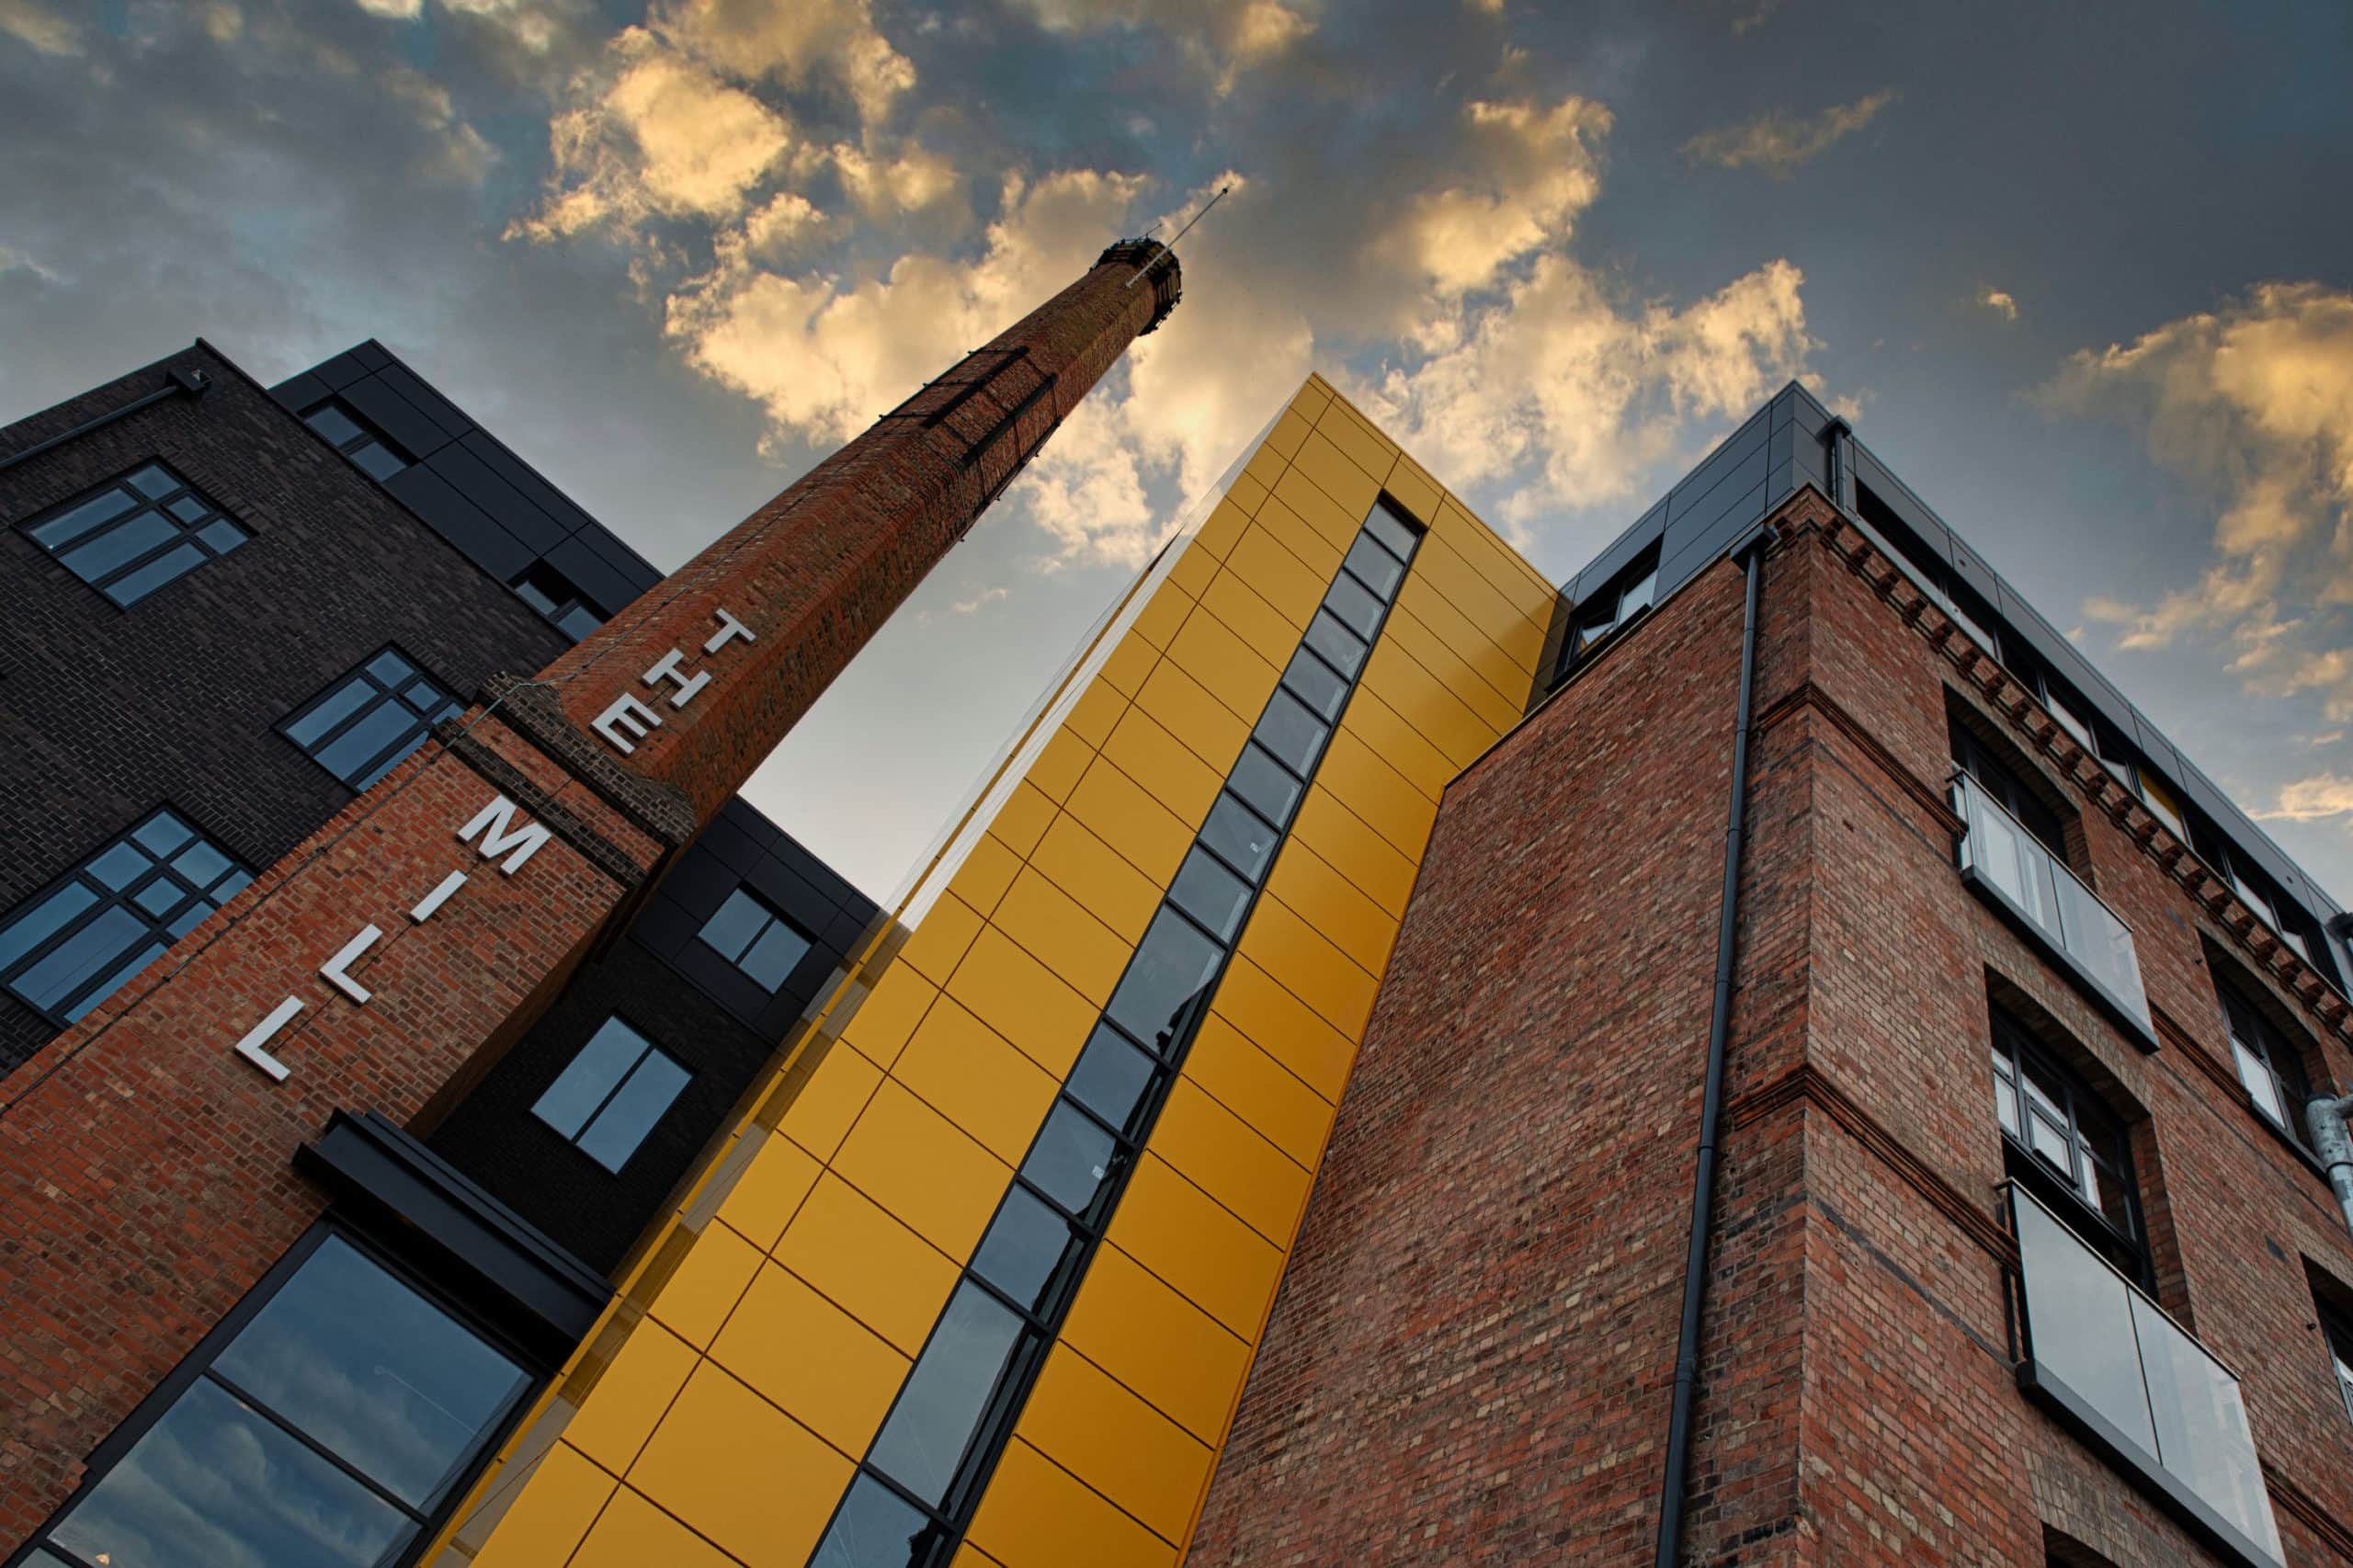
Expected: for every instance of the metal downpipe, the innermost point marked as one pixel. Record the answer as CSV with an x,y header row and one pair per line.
x,y
2333,1143
1703,1181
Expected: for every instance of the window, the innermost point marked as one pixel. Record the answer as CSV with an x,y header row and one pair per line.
x,y
132,535
610,1095
74,945
2269,1065
351,435
2009,790
550,593
2071,1141
2160,803
755,939
361,727
351,1404
1607,609
2339,1333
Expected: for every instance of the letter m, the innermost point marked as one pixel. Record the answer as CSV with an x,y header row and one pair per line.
x,y
495,823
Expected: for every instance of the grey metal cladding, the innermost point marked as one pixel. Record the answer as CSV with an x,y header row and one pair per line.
x,y
1694,541
2154,745
299,393
395,416
459,521
472,479
621,557
525,478
1624,548
1737,452
425,400
372,355
604,586
340,371
2071,666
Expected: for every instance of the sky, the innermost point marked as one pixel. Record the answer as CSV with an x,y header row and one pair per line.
x,y
2085,280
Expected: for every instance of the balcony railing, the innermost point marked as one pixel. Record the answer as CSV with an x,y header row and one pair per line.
x,y
2109,1361
2025,881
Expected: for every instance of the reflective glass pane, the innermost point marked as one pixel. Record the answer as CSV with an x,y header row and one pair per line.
x,y
422,695
164,833
582,1086
2049,1141
1110,1079
200,863
2079,1315
1357,610
740,919
1341,648
154,479
124,973
1023,1249
874,1528
57,975
340,704
631,1114
332,423
941,1404
770,959
69,524
231,886
1375,567
191,918
1290,733
577,621
135,585
2202,1436
1070,1160
390,669
378,460
2005,1107
373,1371
2097,940
351,753
1171,970
1313,682
120,544
531,594
1210,893
160,896
2257,1079
119,866
1391,530
1262,784
211,1485
42,921
189,509
221,536
1236,832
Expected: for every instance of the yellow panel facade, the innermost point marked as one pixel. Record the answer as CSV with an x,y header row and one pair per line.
x,y
758,1348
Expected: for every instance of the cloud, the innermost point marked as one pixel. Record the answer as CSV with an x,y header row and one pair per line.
x,y
2000,303
2253,402
792,42
986,596
32,23
1226,37
2316,799
1536,169
907,179
1755,16
1779,141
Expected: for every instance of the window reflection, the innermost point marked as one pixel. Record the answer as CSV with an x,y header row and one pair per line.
x,y
939,1408
1172,965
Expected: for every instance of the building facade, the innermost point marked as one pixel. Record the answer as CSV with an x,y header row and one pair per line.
x,y
1276,1125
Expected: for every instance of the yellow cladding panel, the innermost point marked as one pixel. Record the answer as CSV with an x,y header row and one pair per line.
x,y
1501,709
1271,634
1025,1002
986,872
1276,576
1209,1257
1132,1325
1266,465
971,1556
1226,667
633,1533
1502,565
1377,792
1260,1090
619,1411
1279,942
924,1169
1023,817
1479,599
1104,1434
1315,550
1415,490
1160,617
1335,907
557,1506
1401,746
882,1022
710,1279
1358,437
1333,523
772,1184
1146,834
1334,474
1152,756
1093,872
826,1369
820,1117
1221,529
1313,396
717,1459
1059,762
1429,610
1062,936
1231,1163
1341,837
1288,432
1204,723
1285,1027
867,1263
1129,661
1246,494
1423,701
947,929
1037,1514
1096,710
1192,569
981,1083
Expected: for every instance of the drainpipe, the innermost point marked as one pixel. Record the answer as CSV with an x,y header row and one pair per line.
x,y
1703,1180
1834,437
2333,1143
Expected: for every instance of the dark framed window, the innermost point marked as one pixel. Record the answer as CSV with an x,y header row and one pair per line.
x,y
132,535
756,938
2338,1331
69,947
611,1093
1615,603
912,1496
349,431
2062,1137
2256,890
2269,1065
347,1403
362,726
550,593
2009,790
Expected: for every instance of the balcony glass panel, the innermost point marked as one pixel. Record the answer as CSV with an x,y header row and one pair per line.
x,y
2108,1353
2048,897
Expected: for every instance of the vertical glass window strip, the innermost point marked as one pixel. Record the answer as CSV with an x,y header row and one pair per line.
x,y
2045,1111
754,939
348,432
550,593
65,950
2340,1354
912,1496
132,535
361,1402
611,1094
2269,1065
366,723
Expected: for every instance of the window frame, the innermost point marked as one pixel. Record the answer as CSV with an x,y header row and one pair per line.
x,y
388,757
185,532
1992,772
809,942
536,579
2126,1245
367,434
2252,1033
650,1047
1589,632
195,1367
2337,1339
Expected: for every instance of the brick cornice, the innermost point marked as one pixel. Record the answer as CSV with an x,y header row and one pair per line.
x,y
2332,1532
1807,695
2033,723
1808,1084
